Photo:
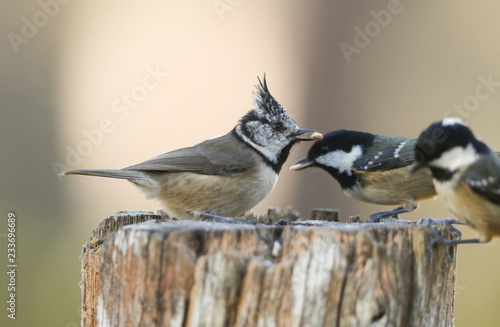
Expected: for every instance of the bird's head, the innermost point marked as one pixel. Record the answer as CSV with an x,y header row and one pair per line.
x,y
447,146
269,129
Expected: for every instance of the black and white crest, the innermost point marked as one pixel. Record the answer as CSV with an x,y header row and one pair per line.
x,y
268,128
265,101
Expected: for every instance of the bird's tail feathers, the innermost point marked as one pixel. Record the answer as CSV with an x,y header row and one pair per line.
x,y
110,173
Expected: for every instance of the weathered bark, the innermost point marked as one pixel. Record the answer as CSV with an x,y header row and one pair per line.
x,y
90,258
310,273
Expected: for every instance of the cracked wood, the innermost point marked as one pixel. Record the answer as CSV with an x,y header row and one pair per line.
x,y
310,273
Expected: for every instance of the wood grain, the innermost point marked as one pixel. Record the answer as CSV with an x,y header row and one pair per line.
x,y
309,273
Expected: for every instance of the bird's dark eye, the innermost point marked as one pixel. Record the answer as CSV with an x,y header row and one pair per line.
x,y
277,126
324,149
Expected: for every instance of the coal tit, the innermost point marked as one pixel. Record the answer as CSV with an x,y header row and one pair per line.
x,y
372,168
466,175
227,175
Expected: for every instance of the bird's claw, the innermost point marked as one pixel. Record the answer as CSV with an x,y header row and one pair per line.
x,y
377,216
446,222
282,222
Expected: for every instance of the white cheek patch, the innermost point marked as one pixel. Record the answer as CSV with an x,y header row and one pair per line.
x,y
455,158
341,160
269,146
261,134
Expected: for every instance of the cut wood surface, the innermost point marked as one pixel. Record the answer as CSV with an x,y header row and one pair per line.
x,y
307,273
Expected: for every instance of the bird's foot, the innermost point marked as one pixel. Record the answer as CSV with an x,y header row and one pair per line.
x,y
446,222
282,222
377,216
374,219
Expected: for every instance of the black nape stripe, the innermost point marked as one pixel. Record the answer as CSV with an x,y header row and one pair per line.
x,y
442,174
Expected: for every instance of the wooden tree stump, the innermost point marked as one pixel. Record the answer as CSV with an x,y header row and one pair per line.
x,y
308,273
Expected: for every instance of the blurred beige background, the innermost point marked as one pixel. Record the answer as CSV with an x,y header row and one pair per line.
x,y
166,74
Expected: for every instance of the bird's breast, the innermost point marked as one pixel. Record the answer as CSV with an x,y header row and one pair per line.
x,y
481,214
186,193
392,187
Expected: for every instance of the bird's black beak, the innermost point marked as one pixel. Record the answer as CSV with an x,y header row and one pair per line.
x,y
416,166
306,135
302,164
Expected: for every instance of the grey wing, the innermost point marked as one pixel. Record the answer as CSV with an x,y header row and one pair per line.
x,y
483,177
213,157
387,153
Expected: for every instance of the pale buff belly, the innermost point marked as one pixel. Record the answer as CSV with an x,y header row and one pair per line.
x,y
394,187
184,195
469,207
